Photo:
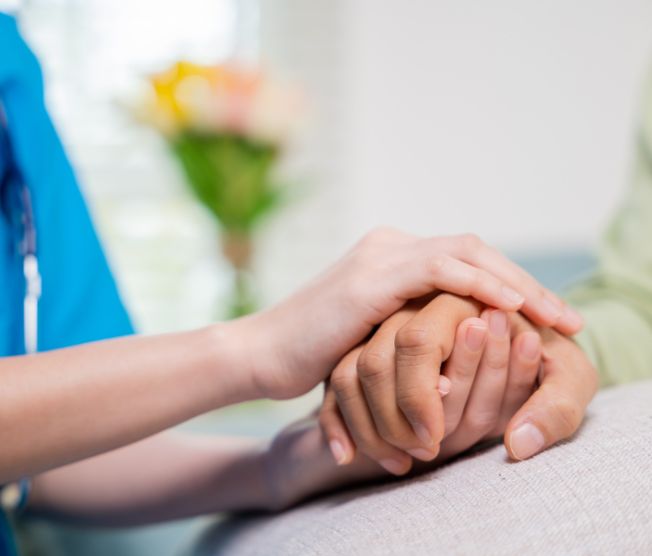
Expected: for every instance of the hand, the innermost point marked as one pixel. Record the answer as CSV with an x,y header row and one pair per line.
x,y
297,343
385,396
554,412
386,392
489,383
299,462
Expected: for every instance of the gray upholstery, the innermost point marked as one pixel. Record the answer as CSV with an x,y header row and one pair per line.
x,y
589,496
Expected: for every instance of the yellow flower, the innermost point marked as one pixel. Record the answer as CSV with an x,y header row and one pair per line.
x,y
220,99
165,109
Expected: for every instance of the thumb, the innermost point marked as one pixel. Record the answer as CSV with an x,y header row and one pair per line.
x,y
555,410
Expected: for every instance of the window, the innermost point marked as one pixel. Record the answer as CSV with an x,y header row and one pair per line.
x,y
94,53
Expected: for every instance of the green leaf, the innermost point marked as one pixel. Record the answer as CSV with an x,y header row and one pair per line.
x,y
232,176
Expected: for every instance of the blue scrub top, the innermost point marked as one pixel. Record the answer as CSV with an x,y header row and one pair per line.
x,y
80,301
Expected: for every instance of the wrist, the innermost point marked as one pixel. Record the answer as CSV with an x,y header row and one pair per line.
x,y
232,356
299,464
296,464
247,351
257,493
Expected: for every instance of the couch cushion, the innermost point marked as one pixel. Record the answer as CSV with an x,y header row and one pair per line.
x,y
588,496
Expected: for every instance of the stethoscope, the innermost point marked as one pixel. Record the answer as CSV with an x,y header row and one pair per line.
x,y
27,250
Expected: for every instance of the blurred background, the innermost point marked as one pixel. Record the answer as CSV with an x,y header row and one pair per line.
x,y
513,119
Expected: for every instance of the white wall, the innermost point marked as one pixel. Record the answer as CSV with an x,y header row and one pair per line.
x,y
510,118
513,119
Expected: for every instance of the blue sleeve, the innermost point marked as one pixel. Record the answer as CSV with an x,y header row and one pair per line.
x,y
80,301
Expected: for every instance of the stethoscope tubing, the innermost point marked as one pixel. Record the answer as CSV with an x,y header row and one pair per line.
x,y
31,273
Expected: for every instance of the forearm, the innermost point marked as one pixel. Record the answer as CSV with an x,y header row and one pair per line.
x,y
299,465
67,405
169,476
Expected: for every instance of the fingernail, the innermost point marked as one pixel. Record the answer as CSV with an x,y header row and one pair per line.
x,y
423,434
573,318
512,295
530,345
423,455
475,336
551,308
526,441
395,467
498,323
338,451
444,385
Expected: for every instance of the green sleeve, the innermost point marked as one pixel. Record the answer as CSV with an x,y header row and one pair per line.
x,y
617,301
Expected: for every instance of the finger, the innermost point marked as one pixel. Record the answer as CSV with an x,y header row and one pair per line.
x,y
556,409
377,374
461,367
524,362
353,407
541,305
332,424
485,400
439,271
483,406
422,344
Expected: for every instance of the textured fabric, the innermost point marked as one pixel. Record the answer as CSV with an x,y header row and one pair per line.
x,y
80,301
617,301
589,496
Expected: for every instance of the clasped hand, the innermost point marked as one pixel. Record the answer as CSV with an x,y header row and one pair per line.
x,y
409,345
499,375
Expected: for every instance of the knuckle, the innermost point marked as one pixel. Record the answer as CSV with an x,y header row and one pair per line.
x,y
436,265
497,360
411,402
374,365
412,338
464,370
481,421
342,381
470,242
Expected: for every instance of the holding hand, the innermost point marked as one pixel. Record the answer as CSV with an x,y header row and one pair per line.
x,y
295,345
300,461
380,395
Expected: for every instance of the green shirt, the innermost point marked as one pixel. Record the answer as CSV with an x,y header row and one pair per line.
x,y
617,301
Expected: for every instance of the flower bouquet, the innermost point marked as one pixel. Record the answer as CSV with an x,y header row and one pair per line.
x,y
227,127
